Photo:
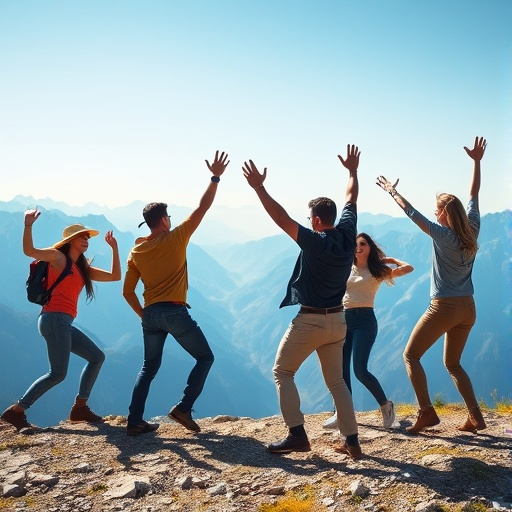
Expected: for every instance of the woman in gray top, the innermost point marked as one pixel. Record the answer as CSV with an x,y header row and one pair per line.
x,y
452,309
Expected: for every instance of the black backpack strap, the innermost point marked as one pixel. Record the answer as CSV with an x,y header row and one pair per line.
x,y
62,275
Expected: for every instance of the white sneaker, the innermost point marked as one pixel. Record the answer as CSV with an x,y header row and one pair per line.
x,y
388,415
332,422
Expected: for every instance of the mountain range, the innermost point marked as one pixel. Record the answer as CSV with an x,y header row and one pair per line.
x,y
235,291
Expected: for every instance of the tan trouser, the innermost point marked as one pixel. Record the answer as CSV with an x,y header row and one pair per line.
x,y
454,316
307,333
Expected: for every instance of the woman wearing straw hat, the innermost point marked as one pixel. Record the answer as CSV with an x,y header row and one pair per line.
x,y
56,320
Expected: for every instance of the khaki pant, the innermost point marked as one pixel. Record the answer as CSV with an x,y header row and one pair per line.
x,y
307,333
454,317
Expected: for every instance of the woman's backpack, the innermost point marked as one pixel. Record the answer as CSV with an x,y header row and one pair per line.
x,y
37,281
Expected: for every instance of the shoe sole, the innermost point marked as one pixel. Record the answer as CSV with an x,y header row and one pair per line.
x,y
101,420
308,449
141,432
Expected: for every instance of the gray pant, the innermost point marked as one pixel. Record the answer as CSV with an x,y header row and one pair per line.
x,y
324,334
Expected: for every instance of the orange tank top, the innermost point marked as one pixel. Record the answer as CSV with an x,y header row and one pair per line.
x,y
65,295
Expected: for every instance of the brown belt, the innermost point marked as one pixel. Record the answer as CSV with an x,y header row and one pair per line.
x,y
321,311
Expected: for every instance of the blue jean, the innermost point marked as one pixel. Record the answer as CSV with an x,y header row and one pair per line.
x,y
159,320
361,334
62,339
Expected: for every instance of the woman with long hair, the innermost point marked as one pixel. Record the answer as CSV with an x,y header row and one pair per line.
x,y
452,308
370,269
56,319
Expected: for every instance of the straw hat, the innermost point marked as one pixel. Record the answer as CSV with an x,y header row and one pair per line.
x,y
72,231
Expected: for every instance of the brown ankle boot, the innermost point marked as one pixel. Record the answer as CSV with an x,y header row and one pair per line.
x,y
475,421
427,417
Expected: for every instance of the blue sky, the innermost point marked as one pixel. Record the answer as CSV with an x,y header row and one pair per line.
x,y
114,101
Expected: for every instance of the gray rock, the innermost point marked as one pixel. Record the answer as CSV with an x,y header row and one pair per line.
x,y
357,488
127,487
13,491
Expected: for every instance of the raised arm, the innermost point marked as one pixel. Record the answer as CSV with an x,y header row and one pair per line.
x,y
98,274
351,163
53,256
217,168
476,154
277,213
389,187
401,267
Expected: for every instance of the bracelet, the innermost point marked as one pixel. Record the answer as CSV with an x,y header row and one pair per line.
x,y
393,193
215,179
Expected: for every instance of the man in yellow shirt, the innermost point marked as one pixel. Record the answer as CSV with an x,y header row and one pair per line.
x,y
160,261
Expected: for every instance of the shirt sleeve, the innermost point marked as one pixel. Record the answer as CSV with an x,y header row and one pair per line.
x,y
348,220
131,277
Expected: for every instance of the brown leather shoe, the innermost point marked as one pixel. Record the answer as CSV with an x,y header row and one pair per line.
x,y
19,421
353,451
474,422
184,418
290,444
141,428
82,414
427,417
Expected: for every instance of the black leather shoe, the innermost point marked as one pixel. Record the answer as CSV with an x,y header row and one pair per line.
x,y
290,444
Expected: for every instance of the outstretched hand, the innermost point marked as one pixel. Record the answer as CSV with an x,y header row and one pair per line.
x,y
110,239
254,177
219,164
478,150
31,216
386,185
352,160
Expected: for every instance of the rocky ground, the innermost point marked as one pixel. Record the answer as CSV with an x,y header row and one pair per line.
x,y
225,467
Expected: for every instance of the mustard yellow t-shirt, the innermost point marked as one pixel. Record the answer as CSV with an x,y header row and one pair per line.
x,y
161,264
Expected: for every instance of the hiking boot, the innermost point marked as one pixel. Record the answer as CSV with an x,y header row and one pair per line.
x,y
427,417
474,422
388,415
18,420
290,444
141,428
184,418
82,414
353,451
331,423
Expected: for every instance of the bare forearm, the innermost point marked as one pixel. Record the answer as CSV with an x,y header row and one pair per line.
x,y
28,243
272,207
208,197
116,266
475,182
133,301
352,188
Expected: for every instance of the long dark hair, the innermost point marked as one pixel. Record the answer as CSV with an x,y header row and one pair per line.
x,y
377,268
83,266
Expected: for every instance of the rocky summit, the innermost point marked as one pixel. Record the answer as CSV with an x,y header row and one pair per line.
x,y
226,468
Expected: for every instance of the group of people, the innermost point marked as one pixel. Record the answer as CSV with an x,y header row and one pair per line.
x,y
334,282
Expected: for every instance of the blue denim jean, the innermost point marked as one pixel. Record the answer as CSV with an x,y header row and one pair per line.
x,y
62,339
159,320
361,334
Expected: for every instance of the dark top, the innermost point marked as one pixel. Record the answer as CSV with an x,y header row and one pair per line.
x,y
319,278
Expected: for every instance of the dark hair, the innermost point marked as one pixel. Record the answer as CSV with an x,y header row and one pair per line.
x,y
83,266
377,268
325,209
153,213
